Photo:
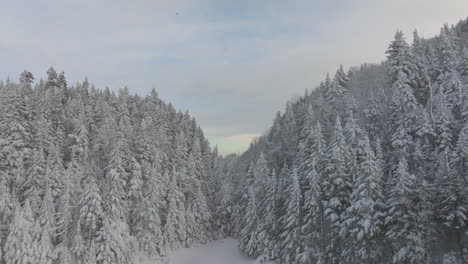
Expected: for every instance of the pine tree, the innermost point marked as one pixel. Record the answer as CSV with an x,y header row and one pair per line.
x,y
202,215
16,130
318,145
355,140
44,251
337,186
91,255
305,144
34,185
452,198
174,227
362,223
451,258
404,108
6,203
56,172
26,78
63,255
115,178
112,244
91,205
77,243
341,77
291,234
47,215
399,56
446,52
224,209
420,81
18,246
148,230
313,221
134,192
460,160
65,212
260,180
374,116
402,220
269,225
443,125
336,89
51,78
463,64
281,185
249,237
61,80
79,151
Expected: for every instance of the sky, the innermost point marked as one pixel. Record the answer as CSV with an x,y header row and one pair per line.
x,y
232,63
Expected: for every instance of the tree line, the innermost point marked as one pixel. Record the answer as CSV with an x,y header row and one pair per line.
x,y
90,176
369,167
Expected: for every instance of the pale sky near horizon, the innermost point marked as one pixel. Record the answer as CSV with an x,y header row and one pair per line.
x,y
231,63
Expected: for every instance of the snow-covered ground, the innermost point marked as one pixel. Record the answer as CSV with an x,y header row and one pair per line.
x,y
218,252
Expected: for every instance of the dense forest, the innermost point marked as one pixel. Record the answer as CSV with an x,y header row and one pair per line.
x,y
88,176
371,166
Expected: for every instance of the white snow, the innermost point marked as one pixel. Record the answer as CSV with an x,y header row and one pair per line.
x,y
218,252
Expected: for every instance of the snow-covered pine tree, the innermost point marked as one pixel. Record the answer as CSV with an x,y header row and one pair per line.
x,y
399,57
452,201
148,228
305,143
91,255
202,215
79,151
268,227
318,146
402,222
313,243
134,194
337,185
336,89
6,201
19,247
421,80
374,116
446,51
47,215
77,244
174,227
115,177
291,219
362,223
443,124
91,212
55,172
463,63
113,245
35,181
65,213
249,236
281,185
460,160
16,129
44,250
404,109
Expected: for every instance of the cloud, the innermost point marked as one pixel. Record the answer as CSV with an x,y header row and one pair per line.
x,y
233,64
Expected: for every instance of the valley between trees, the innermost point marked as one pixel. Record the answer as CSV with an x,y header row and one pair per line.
x,y
370,166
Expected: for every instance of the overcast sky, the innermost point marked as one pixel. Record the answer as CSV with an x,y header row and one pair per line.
x,y
231,63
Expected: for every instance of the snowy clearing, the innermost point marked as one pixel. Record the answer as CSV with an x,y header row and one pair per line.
x,y
222,251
